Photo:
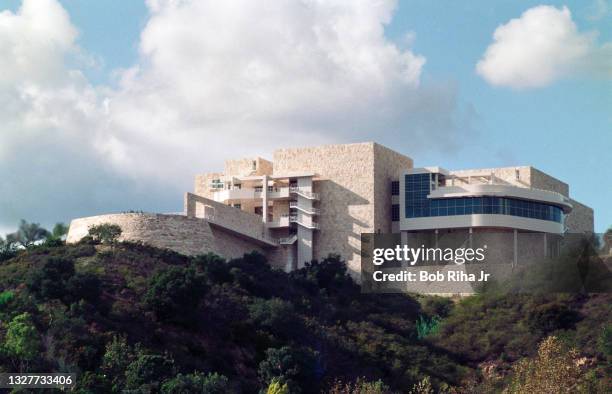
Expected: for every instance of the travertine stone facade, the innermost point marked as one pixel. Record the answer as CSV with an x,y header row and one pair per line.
x,y
353,181
580,220
311,202
388,166
190,236
248,166
233,219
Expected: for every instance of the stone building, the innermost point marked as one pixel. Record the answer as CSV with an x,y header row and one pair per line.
x,y
309,202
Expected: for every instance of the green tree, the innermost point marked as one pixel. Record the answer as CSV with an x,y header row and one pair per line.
x,y
175,293
50,280
27,234
276,315
59,230
7,249
105,233
148,372
552,371
22,341
604,342
288,365
117,357
57,235
212,383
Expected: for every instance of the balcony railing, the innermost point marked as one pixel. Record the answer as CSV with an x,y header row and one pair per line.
x,y
287,240
304,193
282,221
308,210
295,219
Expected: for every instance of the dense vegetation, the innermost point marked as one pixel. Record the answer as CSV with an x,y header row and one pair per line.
x,y
126,316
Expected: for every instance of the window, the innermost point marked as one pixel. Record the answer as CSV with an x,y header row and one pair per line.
x,y
254,165
239,206
395,212
395,188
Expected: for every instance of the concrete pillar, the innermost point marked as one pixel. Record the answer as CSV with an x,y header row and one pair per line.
x,y
515,248
264,195
545,245
471,238
190,205
436,238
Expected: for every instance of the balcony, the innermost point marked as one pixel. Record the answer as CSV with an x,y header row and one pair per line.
x,y
303,192
282,221
287,240
311,225
309,210
278,192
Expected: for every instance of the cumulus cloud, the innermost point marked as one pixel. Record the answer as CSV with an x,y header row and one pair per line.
x,y
214,79
541,46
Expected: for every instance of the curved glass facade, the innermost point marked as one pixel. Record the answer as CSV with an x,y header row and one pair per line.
x,y
417,187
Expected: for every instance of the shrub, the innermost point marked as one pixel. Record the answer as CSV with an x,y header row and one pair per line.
x,y
84,286
553,370
105,233
277,387
437,306
275,314
148,371
604,342
117,357
175,293
213,383
214,267
49,282
295,367
427,326
360,386
22,340
550,317
6,297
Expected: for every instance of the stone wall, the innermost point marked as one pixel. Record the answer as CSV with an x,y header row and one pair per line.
x,y
580,220
244,167
540,180
354,185
345,184
189,236
235,219
388,167
202,182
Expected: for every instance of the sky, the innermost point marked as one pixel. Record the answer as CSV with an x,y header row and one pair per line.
x,y
115,106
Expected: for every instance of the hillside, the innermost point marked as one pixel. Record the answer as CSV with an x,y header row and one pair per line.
x,y
130,316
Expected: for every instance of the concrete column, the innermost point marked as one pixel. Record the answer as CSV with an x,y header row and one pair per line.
x,y
545,245
515,247
264,195
190,205
436,238
471,232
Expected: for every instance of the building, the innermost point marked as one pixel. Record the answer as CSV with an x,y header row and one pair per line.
x,y
309,202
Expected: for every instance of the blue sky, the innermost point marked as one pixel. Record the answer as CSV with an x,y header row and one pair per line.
x,y
563,128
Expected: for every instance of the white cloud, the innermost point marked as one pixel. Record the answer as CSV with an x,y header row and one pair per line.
x,y
541,46
220,74
214,79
